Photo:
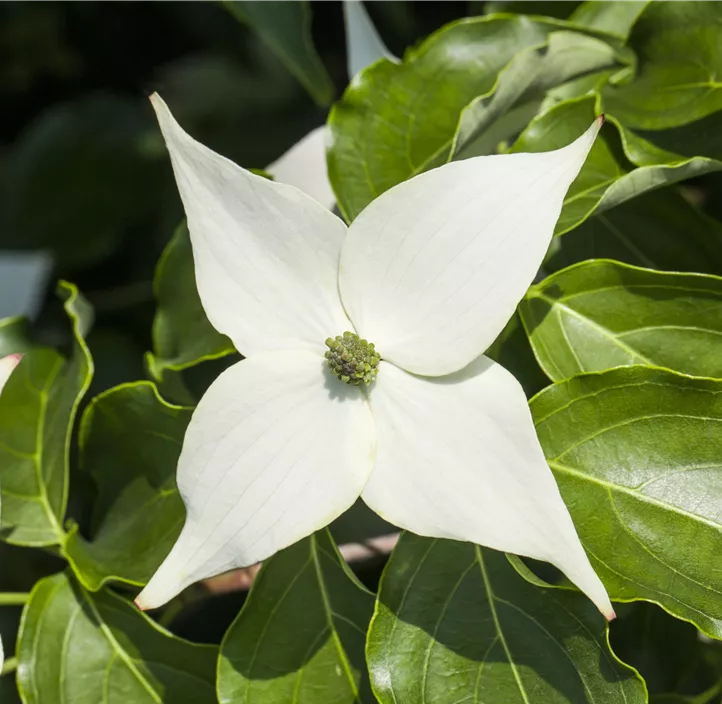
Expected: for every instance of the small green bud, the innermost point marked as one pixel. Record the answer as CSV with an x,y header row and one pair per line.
x,y
353,360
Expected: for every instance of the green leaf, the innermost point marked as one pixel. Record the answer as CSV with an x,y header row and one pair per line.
x,y
603,182
396,120
87,648
521,84
130,442
37,411
616,18
300,635
637,454
546,8
456,623
679,67
658,230
182,335
601,314
286,28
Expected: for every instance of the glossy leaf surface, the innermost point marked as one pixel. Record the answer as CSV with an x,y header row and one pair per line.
x,y
378,140
130,443
457,623
602,314
300,636
37,410
87,648
608,177
637,455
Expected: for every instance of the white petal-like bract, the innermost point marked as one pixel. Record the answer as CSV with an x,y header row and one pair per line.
x,y
7,365
276,449
364,46
265,253
304,166
432,270
458,458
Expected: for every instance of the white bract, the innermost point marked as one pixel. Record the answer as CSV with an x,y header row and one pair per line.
x,y
442,442
7,365
364,46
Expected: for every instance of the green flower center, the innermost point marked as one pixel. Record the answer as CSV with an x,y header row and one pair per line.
x,y
352,360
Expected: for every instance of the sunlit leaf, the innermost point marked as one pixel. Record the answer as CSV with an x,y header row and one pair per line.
x,y
607,178
397,120
37,410
614,17
86,648
637,455
602,314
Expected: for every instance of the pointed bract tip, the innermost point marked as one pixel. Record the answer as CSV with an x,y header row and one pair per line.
x,y
601,119
137,601
7,366
610,615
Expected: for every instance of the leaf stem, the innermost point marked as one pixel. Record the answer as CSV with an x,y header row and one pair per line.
x,y
9,666
14,598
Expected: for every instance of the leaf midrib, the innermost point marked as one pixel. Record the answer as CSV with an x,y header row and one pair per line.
x,y
497,625
605,332
629,491
119,651
348,671
37,455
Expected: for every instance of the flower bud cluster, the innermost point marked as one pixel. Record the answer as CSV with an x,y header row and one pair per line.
x,y
352,360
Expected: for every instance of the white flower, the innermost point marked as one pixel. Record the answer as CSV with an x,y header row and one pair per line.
x,y
442,442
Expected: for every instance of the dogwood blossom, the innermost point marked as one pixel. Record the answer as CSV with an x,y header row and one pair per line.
x,y
364,372
7,365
